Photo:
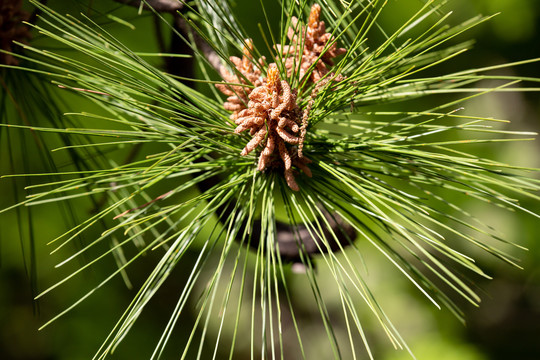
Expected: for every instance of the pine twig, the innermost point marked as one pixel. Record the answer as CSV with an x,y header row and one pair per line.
x,y
208,52
285,231
173,6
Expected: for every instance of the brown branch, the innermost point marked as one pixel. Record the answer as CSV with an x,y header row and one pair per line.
x,y
173,6
208,52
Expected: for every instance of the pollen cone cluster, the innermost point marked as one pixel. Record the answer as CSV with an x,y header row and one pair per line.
x,y
267,107
314,49
12,28
273,119
250,75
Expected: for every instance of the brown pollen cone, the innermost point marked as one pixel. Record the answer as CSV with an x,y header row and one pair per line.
x,y
250,75
12,28
312,49
273,119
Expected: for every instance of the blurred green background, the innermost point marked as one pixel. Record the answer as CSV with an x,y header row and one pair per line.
x,y
506,326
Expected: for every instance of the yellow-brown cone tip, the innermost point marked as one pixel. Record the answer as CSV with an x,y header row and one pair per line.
x,y
314,15
272,76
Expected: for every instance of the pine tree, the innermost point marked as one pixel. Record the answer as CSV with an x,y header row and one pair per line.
x,y
267,163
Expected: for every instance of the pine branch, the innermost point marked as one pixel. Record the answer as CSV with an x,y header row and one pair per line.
x,y
288,236
173,7
208,52
391,176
